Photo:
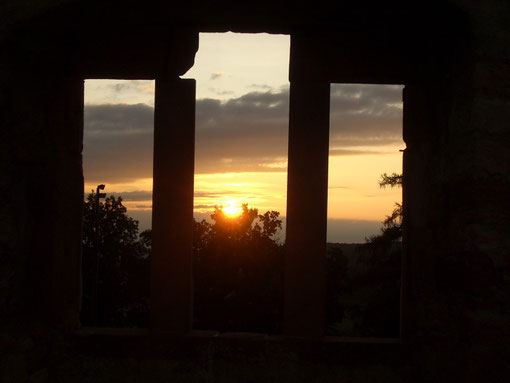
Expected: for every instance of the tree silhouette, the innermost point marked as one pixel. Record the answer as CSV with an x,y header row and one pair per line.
x,y
392,180
237,269
115,265
367,303
381,255
238,272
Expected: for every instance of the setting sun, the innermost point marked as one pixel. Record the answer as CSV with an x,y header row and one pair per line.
x,y
232,210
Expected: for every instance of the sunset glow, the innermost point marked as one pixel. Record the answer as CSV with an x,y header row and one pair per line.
x,y
242,108
232,210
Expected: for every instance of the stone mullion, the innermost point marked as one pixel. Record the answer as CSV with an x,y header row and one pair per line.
x,y
304,286
171,300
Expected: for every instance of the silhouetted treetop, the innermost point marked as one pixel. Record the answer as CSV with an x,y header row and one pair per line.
x,y
246,225
392,180
115,265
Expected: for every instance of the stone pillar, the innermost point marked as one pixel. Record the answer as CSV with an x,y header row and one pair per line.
x,y
59,183
171,299
427,202
307,195
417,236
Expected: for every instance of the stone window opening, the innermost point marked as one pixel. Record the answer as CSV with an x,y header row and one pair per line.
x,y
364,218
240,158
171,299
117,161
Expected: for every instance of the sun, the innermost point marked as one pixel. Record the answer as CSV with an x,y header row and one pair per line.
x,y
232,210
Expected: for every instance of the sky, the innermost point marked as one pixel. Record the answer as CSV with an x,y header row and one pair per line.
x,y
241,137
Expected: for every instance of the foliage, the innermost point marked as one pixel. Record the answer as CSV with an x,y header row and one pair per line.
x,y
392,180
237,266
369,302
115,265
238,272
338,282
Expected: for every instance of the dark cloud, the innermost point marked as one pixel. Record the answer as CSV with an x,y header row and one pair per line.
x,y
139,195
349,152
251,131
216,75
146,195
120,87
242,134
208,194
143,206
204,207
365,115
221,92
260,86
118,142
248,133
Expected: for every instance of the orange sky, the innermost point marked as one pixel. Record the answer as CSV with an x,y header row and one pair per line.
x,y
242,117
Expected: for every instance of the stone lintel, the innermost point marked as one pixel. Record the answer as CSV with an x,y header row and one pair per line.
x,y
346,58
140,53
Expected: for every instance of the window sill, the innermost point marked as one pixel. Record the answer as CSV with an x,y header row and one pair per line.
x,y
146,344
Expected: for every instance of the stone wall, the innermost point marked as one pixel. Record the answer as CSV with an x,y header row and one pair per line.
x,y
456,297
